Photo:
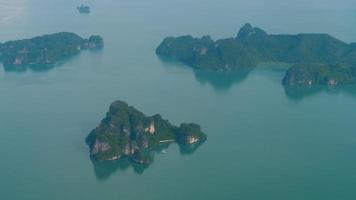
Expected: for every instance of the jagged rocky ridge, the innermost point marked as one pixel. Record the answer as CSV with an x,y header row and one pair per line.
x,y
253,46
44,50
127,132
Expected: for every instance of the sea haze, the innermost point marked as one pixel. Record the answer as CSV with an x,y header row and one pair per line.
x,y
264,142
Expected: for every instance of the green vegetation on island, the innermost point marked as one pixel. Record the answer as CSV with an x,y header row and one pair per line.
x,y
44,51
126,132
319,55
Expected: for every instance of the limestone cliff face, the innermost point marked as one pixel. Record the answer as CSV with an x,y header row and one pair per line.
x,y
125,131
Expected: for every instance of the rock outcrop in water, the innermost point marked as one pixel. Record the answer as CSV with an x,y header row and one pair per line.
x,y
127,132
83,9
44,50
314,53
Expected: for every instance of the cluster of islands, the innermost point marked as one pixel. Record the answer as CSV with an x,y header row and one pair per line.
x,y
127,133
316,59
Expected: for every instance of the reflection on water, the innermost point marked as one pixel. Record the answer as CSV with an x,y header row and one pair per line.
x,y
42,67
218,80
299,93
24,68
221,80
104,169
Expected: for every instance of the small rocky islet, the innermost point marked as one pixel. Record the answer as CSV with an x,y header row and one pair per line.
x,y
45,51
83,9
126,132
317,59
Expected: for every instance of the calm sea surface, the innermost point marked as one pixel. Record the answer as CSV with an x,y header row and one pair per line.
x,y
264,142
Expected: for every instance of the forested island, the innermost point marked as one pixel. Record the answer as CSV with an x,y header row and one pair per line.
x,y
44,51
126,132
316,58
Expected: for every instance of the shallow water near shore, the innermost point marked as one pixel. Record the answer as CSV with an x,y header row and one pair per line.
x,y
264,142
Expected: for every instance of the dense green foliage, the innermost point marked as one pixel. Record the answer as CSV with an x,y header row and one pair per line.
x,y
252,46
44,51
125,131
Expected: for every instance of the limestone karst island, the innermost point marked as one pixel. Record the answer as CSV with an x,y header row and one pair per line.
x,y
317,59
44,51
177,99
126,132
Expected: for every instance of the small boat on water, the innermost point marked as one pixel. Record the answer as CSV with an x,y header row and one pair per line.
x,y
83,9
163,151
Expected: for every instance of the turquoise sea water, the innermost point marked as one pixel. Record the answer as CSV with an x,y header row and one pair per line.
x,y
264,142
